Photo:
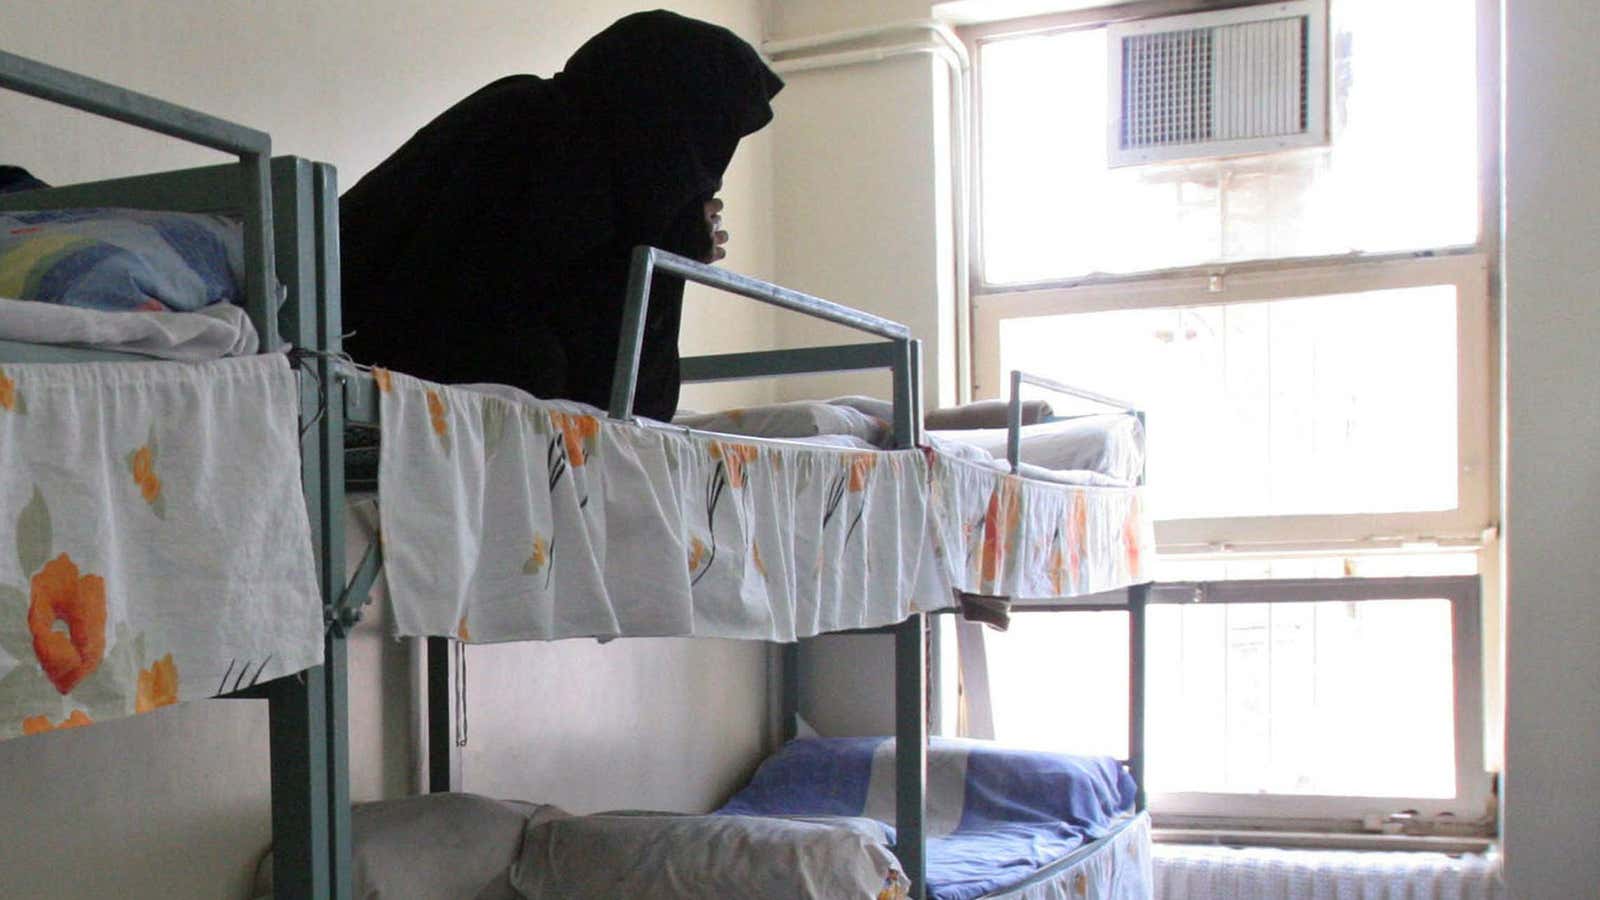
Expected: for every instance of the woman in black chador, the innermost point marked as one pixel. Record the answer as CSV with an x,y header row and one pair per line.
x,y
493,246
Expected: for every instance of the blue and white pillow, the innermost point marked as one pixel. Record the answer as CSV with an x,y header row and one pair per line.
x,y
121,259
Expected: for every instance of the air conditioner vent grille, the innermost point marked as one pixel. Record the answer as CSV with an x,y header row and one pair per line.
x,y
1219,84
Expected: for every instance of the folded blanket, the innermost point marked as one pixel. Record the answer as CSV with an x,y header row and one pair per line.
x,y
985,414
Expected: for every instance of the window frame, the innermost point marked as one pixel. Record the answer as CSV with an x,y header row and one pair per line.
x,y
1474,523
1476,484
1474,784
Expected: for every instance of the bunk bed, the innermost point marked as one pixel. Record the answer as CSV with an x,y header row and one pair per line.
x,y
141,487
878,540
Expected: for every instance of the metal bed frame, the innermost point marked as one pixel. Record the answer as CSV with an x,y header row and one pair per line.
x,y
290,210
901,355
289,207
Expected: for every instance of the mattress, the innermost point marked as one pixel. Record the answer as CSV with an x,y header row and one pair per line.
x,y
210,333
1106,450
996,816
507,518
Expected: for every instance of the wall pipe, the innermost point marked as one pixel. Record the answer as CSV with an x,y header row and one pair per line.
x,y
945,46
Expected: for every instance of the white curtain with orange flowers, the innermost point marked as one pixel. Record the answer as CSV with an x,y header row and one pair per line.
x,y
508,518
158,546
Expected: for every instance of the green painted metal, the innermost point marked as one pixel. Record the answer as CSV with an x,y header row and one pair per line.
x,y
798,361
295,243
324,251
297,724
1137,597
444,757
911,751
360,397
647,261
789,692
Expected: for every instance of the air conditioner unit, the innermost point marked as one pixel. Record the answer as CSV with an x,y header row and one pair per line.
x,y
1247,80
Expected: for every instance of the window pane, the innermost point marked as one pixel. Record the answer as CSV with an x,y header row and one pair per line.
x,y
1317,405
1400,173
1336,698
1059,681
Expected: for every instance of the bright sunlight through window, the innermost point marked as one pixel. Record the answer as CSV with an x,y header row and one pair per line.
x,y
1401,173
1317,405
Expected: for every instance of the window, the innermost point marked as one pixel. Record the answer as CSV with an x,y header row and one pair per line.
x,y
1401,172
1323,700
1309,332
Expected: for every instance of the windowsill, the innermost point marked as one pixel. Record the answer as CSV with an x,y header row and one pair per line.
x,y
1313,840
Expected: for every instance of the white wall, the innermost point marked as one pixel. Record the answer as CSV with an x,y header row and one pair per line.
x,y
1552,269
175,804
862,194
862,191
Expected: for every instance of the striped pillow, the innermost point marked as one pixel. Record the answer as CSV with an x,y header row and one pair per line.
x,y
121,259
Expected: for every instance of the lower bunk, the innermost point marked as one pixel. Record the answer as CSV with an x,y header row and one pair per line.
x,y
814,822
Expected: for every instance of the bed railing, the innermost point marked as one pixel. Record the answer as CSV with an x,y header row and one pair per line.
x,y
1014,412
902,355
254,149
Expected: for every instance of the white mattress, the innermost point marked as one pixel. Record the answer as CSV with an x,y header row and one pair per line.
x,y
210,333
1105,451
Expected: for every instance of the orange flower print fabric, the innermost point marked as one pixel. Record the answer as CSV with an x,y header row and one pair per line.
x,y
735,458
143,464
1001,522
437,414
861,465
383,379
579,433
60,594
8,393
42,724
158,685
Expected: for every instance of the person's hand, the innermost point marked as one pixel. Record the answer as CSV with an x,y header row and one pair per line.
x,y
719,237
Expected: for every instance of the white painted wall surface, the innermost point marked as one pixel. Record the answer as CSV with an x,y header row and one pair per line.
x,y
862,191
1552,272
175,804
862,187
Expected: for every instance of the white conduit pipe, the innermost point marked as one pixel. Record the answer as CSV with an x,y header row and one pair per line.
x,y
949,49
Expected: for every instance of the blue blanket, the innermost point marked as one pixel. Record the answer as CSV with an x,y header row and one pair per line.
x,y
995,814
121,259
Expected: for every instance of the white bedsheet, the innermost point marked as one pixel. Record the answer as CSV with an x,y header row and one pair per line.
x,y
510,518
210,333
158,545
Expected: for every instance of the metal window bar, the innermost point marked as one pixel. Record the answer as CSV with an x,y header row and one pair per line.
x,y
254,149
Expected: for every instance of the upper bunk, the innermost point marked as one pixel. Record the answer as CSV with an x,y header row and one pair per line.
x,y
156,466
507,517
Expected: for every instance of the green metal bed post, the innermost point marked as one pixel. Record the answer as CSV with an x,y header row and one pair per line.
x,y
789,701
443,754
330,434
297,705
1138,596
1138,604
910,664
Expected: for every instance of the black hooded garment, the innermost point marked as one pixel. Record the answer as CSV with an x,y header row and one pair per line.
x,y
493,246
